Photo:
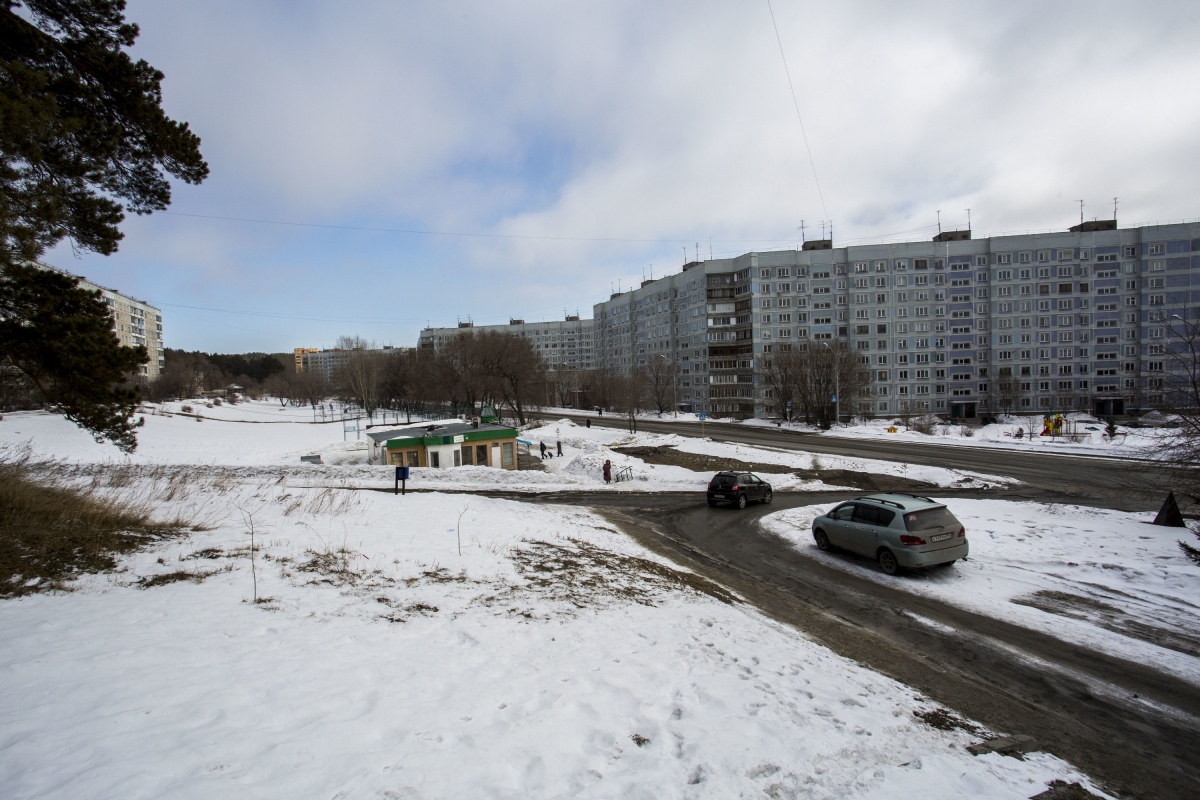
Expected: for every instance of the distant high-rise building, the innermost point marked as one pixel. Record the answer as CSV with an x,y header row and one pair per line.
x,y
955,326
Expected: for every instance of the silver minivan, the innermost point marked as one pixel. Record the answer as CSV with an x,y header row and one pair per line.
x,y
899,530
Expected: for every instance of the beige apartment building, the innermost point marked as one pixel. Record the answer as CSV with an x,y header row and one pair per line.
x,y
135,322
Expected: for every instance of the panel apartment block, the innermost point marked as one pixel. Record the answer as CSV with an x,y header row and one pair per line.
x,y
565,344
135,323
956,326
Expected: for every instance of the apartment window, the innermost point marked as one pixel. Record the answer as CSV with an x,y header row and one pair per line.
x,y
1157,249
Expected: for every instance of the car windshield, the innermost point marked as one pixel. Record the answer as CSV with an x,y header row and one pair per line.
x,y
939,517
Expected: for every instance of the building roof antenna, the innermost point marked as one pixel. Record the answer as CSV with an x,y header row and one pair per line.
x,y
1114,210
968,219
1080,212
939,213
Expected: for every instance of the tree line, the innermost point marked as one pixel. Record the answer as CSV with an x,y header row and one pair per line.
x,y
466,373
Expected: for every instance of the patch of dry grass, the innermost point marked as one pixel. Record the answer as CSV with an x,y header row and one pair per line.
x,y
52,531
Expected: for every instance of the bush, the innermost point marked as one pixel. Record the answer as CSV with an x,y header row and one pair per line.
x,y
924,424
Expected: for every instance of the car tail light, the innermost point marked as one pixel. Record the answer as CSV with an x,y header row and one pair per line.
x,y
962,532
911,540
734,488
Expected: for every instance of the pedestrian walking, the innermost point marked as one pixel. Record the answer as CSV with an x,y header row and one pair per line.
x,y
543,444
560,448
607,471
589,422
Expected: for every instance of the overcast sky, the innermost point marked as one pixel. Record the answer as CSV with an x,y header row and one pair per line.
x,y
377,167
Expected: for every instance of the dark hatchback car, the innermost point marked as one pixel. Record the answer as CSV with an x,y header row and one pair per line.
x,y
738,489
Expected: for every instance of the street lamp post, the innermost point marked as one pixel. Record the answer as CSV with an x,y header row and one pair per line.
x,y
674,387
837,387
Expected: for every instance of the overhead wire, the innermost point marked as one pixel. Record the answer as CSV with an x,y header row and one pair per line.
x,y
796,105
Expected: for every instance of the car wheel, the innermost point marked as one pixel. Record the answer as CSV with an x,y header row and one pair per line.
x,y
741,501
767,498
822,540
712,503
888,562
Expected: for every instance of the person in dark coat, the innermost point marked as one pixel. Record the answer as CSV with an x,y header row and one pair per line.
x,y
560,447
589,422
607,471
543,444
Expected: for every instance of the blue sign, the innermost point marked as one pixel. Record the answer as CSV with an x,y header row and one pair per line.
x,y
702,416
401,473
833,399
789,405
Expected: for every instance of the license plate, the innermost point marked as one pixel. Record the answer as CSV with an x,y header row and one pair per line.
x,y
718,497
941,537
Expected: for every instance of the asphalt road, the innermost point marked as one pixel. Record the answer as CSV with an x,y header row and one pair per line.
x,y
1135,730
1106,480
1127,725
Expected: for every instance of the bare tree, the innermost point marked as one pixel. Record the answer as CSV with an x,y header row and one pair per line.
x,y
459,376
514,368
310,387
824,370
781,375
661,382
604,381
1005,390
1176,384
362,379
629,392
567,384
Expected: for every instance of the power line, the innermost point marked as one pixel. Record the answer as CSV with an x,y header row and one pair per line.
x,y
796,105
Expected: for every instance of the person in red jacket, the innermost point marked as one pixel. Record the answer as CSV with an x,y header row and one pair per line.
x,y
607,471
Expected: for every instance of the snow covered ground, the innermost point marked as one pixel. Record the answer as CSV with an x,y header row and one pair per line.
x,y
1106,579
451,645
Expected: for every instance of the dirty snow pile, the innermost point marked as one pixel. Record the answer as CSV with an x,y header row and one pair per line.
x,y
428,646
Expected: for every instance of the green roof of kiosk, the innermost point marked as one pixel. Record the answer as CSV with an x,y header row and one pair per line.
x,y
459,432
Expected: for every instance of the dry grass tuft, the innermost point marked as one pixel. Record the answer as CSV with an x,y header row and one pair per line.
x,y
51,532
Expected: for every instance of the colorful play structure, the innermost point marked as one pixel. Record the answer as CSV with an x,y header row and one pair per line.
x,y
1057,425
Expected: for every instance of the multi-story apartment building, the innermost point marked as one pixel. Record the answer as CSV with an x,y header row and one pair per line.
x,y
135,322
328,362
565,344
955,326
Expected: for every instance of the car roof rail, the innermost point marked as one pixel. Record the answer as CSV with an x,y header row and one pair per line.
x,y
914,496
881,500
